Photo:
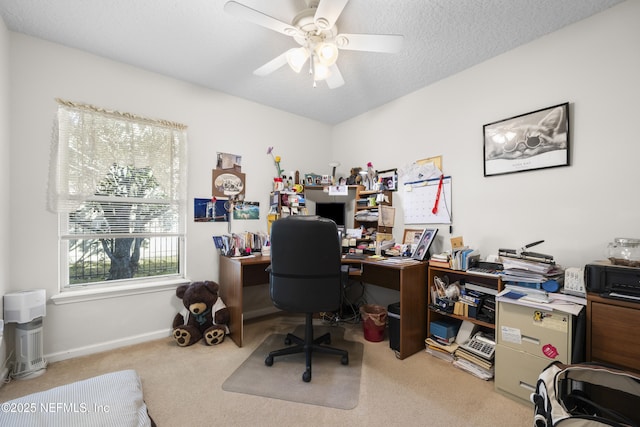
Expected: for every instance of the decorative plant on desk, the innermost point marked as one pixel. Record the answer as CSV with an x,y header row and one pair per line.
x,y
276,161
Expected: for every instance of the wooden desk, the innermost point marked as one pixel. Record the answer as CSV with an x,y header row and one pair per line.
x,y
612,335
410,280
236,274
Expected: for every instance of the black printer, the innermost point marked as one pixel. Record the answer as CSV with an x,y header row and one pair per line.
x,y
613,281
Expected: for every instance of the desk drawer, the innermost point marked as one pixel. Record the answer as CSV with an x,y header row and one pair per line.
x,y
615,337
516,372
535,331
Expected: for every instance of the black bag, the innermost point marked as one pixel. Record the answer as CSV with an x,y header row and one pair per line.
x,y
586,394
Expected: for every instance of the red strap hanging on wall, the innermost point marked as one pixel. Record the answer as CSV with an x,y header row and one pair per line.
x,y
435,205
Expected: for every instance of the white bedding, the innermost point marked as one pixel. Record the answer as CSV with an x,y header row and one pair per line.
x,y
113,399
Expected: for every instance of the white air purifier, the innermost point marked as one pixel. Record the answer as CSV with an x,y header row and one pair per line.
x,y
27,308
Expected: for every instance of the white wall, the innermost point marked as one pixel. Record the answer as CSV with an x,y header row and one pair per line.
x,y
42,71
593,64
4,176
577,210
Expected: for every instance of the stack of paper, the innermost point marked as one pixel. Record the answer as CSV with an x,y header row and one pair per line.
x,y
440,350
472,368
526,273
477,360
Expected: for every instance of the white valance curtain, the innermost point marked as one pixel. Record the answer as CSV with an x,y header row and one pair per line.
x,y
87,141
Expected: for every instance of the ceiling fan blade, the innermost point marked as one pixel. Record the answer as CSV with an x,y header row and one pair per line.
x,y
272,65
328,12
241,11
335,78
386,43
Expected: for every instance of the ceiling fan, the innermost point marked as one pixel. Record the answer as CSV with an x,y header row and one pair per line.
x,y
314,29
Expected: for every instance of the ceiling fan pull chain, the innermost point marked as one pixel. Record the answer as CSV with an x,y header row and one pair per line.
x,y
312,70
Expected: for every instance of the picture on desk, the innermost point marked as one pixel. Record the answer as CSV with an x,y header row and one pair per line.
x,y
412,236
428,235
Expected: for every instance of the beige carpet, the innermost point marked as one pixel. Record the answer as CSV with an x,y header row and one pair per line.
x,y
332,384
183,386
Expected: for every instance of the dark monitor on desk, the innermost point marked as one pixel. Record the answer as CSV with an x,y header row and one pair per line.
x,y
333,210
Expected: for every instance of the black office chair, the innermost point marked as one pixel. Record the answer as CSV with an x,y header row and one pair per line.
x,y
305,277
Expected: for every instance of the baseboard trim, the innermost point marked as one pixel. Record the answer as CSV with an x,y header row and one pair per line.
x,y
137,339
260,312
109,345
4,376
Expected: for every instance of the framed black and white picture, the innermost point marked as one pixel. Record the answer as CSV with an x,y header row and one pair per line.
x,y
535,140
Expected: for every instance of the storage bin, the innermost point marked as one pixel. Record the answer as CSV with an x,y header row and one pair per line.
x,y
444,329
394,326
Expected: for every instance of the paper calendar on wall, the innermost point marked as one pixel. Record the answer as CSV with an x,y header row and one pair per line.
x,y
427,202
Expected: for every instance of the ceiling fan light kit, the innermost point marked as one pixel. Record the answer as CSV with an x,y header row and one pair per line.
x,y
320,71
327,53
297,57
315,31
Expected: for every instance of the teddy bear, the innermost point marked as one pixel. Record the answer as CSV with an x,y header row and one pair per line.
x,y
354,177
206,315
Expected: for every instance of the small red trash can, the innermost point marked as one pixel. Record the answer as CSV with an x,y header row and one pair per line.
x,y
374,321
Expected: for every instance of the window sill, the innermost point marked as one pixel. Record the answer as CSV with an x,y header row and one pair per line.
x,y
91,294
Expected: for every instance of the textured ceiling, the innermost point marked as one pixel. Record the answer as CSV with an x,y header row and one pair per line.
x,y
196,41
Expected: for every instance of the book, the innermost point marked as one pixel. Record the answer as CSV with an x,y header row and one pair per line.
x,y
440,257
483,363
436,263
443,341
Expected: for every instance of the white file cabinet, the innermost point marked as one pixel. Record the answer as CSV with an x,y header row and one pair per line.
x,y
528,339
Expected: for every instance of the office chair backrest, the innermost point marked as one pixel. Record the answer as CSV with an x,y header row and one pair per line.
x,y
305,264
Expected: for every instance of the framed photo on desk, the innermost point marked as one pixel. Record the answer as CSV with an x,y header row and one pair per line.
x,y
411,236
428,235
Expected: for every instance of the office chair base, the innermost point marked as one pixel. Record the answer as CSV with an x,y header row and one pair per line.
x,y
308,346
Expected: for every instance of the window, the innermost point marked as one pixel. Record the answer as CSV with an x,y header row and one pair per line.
x,y
117,182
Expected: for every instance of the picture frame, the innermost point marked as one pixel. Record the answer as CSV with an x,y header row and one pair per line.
x,y
411,236
386,216
426,239
209,210
388,179
227,183
246,210
312,180
531,141
229,161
